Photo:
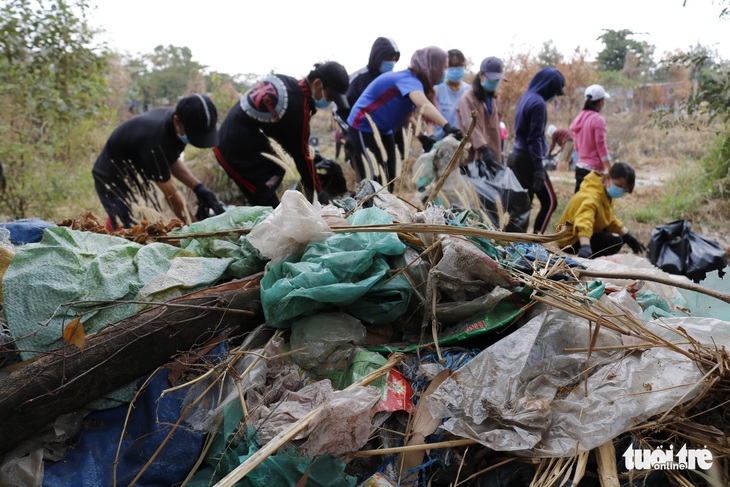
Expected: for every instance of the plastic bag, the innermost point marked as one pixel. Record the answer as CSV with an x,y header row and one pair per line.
x,y
287,231
676,249
497,187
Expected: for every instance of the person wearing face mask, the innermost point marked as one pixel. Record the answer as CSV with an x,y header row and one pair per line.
x,y
389,101
589,136
530,145
450,91
279,108
384,54
596,229
486,139
146,149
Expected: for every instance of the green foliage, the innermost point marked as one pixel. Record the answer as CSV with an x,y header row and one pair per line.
x,y
716,167
162,76
549,56
617,45
709,101
51,84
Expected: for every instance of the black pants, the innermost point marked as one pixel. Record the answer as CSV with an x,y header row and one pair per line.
x,y
580,174
602,243
524,170
367,158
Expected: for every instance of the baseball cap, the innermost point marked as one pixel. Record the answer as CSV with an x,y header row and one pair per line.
x,y
596,92
198,115
335,80
493,69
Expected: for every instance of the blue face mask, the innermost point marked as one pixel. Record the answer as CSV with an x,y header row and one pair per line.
x,y
443,78
491,84
614,191
551,99
454,74
322,103
183,138
387,66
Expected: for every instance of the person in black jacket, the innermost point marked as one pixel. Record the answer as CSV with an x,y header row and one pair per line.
x,y
383,56
279,108
146,149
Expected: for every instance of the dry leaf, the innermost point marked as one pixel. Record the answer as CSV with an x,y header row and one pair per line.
x,y
74,334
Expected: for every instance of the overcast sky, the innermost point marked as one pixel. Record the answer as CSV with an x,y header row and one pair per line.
x,y
287,36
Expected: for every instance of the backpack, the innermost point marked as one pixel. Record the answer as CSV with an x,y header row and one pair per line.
x,y
676,249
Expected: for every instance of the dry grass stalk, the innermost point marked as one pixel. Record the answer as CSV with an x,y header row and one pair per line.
x,y
452,230
281,158
607,469
378,139
404,449
285,436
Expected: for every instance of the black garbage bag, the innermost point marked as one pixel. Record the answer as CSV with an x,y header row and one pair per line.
x,y
676,249
494,182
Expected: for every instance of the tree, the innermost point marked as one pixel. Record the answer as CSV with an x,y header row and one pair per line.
x,y
52,87
617,45
549,56
172,68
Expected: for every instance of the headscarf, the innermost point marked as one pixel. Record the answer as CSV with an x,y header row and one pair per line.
x,y
429,64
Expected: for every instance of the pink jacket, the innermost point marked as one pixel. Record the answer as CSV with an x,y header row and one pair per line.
x,y
589,138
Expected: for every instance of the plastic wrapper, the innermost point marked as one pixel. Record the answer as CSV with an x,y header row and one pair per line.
x,y
526,395
288,230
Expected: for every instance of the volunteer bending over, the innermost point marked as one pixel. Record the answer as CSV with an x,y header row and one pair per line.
x,y
596,230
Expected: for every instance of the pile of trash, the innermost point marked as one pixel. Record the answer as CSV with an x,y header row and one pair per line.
x,y
363,343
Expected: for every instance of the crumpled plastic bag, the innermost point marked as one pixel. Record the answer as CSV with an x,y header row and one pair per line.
x,y
526,394
287,231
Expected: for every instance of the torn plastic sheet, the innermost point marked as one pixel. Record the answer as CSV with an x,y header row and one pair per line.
x,y
526,395
245,260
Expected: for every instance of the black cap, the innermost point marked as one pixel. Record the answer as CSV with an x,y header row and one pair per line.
x,y
335,79
198,115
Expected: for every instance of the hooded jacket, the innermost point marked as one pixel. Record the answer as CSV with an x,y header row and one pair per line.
x,y
590,210
383,48
589,129
531,114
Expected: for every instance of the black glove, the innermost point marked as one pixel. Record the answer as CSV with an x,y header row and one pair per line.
x,y
455,131
207,202
427,142
585,251
636,246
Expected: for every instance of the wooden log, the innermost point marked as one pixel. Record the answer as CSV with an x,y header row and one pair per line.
x,y
66,379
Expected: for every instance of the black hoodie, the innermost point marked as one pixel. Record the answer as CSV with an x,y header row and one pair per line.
x,y
383,48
